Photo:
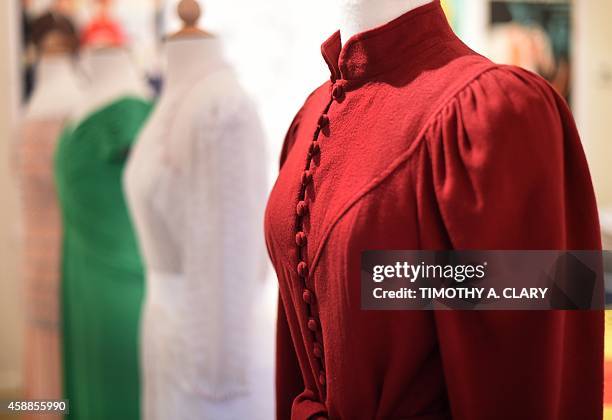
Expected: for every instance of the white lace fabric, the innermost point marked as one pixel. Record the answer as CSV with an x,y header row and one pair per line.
x,y
196,188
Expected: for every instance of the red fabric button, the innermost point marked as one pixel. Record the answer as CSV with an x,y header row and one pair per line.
x,y
317,350
307,296
306,178
302,269
301,208
338,92
323,121
312,324
300,239
322,378
315,148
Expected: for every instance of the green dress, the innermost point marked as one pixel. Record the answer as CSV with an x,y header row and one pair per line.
x,y
102,275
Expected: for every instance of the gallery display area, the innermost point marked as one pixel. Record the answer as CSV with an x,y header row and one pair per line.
x,y
189,185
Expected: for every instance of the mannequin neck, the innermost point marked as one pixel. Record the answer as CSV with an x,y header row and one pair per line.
x,y
112,75
54,68
189,59
361,15
58,87
108,65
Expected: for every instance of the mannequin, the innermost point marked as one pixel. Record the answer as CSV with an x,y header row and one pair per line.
x,y
108,64
56,77
102,277
56,73
112,75
418,142
360,15
56,94
195,184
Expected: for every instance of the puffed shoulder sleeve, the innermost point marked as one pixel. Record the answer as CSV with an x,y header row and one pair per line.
x,y
508,167
508,172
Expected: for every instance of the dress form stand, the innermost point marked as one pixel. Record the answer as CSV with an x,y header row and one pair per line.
x,y
56,94
190,50
196,186
361,15
190,12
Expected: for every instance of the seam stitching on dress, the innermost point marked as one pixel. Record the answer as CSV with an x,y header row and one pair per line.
x,y
396,164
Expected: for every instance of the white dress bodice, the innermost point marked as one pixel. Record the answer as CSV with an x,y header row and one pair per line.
x,y
196,187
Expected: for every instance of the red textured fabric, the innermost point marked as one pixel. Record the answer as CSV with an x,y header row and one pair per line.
x,y
427,145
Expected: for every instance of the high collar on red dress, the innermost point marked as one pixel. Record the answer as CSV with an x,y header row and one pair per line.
x,y
402,41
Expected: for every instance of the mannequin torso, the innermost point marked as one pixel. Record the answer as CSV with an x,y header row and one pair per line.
x,y
360,15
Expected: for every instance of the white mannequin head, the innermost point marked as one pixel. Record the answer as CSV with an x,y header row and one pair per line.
x,y
361,15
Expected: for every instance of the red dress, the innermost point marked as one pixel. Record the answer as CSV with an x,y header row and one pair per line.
x,y
417,142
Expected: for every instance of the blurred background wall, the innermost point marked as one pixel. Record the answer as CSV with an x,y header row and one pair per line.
x,y
593,81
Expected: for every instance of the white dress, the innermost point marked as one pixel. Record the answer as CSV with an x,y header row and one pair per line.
x,y
196,187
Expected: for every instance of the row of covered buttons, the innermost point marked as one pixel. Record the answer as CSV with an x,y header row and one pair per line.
x,y
301,238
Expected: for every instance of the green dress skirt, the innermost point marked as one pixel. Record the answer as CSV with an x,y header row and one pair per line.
x,y
102,275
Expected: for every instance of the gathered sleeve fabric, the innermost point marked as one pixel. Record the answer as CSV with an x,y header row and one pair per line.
x,y
508,172
224,255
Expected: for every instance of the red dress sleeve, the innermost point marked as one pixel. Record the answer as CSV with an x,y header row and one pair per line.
x,y
509,172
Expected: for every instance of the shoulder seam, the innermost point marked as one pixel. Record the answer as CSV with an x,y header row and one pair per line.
x,y
430,120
